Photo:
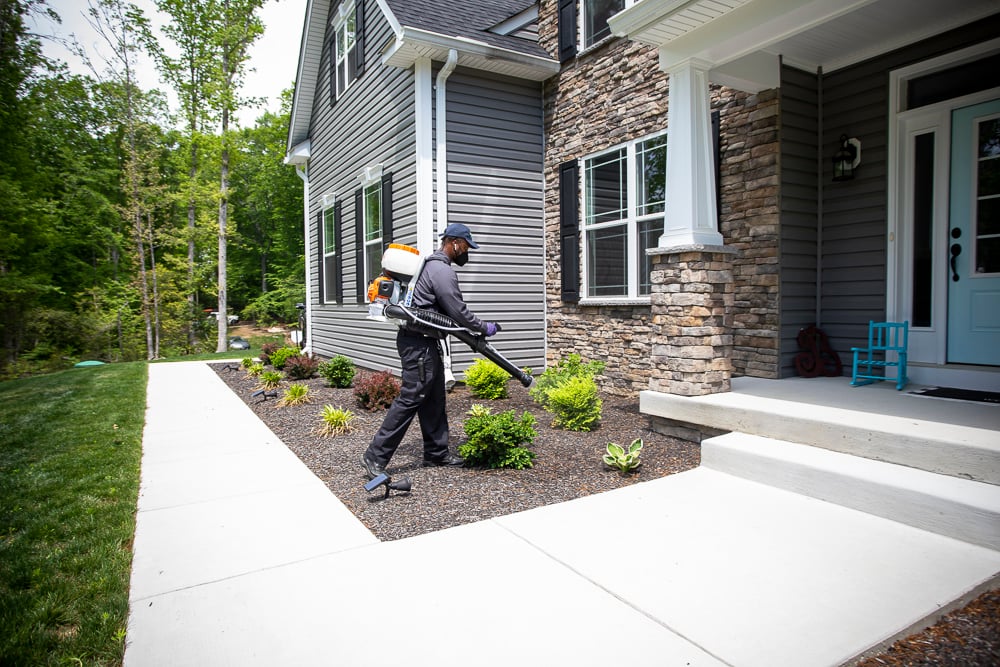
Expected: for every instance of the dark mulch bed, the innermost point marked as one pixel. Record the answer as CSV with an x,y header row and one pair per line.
x,y
568,466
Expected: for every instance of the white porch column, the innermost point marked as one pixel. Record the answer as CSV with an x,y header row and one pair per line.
x,y
690,217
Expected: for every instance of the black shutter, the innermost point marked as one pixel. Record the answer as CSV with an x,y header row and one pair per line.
x,y
320,267
569,230
717,159
386,209
338,249
567,29
359,255
359,40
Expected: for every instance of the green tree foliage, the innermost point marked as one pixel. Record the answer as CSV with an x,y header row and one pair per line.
x,y
98,257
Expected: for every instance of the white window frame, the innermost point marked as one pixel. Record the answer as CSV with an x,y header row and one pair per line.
x,y
630,219
342,53
371,180
584,16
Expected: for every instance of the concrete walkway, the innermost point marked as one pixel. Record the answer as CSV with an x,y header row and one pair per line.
x,y
242,557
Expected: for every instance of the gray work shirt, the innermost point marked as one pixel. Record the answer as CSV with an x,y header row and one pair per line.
x,y
437,289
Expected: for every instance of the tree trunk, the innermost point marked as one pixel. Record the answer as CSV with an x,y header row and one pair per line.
x,y
223,220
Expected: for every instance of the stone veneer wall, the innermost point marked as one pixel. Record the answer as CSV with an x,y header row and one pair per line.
x,y
615,93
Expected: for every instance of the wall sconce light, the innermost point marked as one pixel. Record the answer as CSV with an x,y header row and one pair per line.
x,y
847,158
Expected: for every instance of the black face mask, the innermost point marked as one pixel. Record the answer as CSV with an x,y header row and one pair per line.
x,y
462,258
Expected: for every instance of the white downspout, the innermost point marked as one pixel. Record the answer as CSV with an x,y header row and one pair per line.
x,y
441,170
302,170
441,130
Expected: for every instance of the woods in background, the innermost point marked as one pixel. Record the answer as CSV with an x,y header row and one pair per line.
x,y
120,224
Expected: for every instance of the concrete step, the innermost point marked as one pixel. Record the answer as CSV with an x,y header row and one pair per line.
x,y
959,508
868,429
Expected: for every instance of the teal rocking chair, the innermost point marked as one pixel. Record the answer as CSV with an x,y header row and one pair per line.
x,y
872,364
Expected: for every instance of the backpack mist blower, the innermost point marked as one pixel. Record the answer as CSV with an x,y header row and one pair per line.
x,y
391,296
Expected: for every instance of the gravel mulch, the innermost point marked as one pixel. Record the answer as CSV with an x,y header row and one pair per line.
x,y
568,465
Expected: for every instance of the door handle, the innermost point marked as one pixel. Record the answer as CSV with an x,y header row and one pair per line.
x,y
956,250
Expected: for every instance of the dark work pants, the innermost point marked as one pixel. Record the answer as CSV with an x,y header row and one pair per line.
x,y
421,395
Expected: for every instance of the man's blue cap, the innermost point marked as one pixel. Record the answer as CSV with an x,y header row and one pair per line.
x,y
457,230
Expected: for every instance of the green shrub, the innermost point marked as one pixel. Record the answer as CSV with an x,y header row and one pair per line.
x,y
296,394
335,421
575,404
255,369
247,362
281,356
270,379
625,461
338,371
266,350
497,441
567,368
487,380
376,390
301,366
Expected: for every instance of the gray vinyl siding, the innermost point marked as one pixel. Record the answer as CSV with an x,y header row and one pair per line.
x,y
495,186
372,123
854,243
799,210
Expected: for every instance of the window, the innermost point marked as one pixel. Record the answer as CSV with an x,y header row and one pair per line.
x,y
373,206
332,287
623,205
372,221
595,19
347,47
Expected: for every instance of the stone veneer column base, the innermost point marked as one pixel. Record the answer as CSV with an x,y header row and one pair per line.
x,y
692,302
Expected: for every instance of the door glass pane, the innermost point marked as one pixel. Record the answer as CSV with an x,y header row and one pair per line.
x,y
923,228
987,214
608,261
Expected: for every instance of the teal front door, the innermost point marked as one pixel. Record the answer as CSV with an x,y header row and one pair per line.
x,y
974,236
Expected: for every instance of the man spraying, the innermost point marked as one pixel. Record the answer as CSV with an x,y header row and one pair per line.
x,y
422,393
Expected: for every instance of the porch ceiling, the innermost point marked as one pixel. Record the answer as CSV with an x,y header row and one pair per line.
x,y
808,34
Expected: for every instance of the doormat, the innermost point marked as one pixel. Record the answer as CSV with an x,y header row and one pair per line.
x,y
960,394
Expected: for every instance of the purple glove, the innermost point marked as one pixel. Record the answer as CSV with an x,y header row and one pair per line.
x,y
492,328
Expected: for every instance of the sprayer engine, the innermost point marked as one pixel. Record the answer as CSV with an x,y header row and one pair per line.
x,y
391,294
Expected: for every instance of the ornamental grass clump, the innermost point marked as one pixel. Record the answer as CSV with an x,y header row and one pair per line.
x,y
255,369
338,372
487,380
376,390
335,421
296,394
498,441
270,379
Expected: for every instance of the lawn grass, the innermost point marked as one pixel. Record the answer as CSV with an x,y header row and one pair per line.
x,y
70,448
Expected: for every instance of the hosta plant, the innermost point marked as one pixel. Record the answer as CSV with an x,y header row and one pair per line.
x,y
296,394
335,421
624,460
270,379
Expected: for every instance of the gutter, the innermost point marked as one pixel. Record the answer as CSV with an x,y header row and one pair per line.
x,y
441,130
299,158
